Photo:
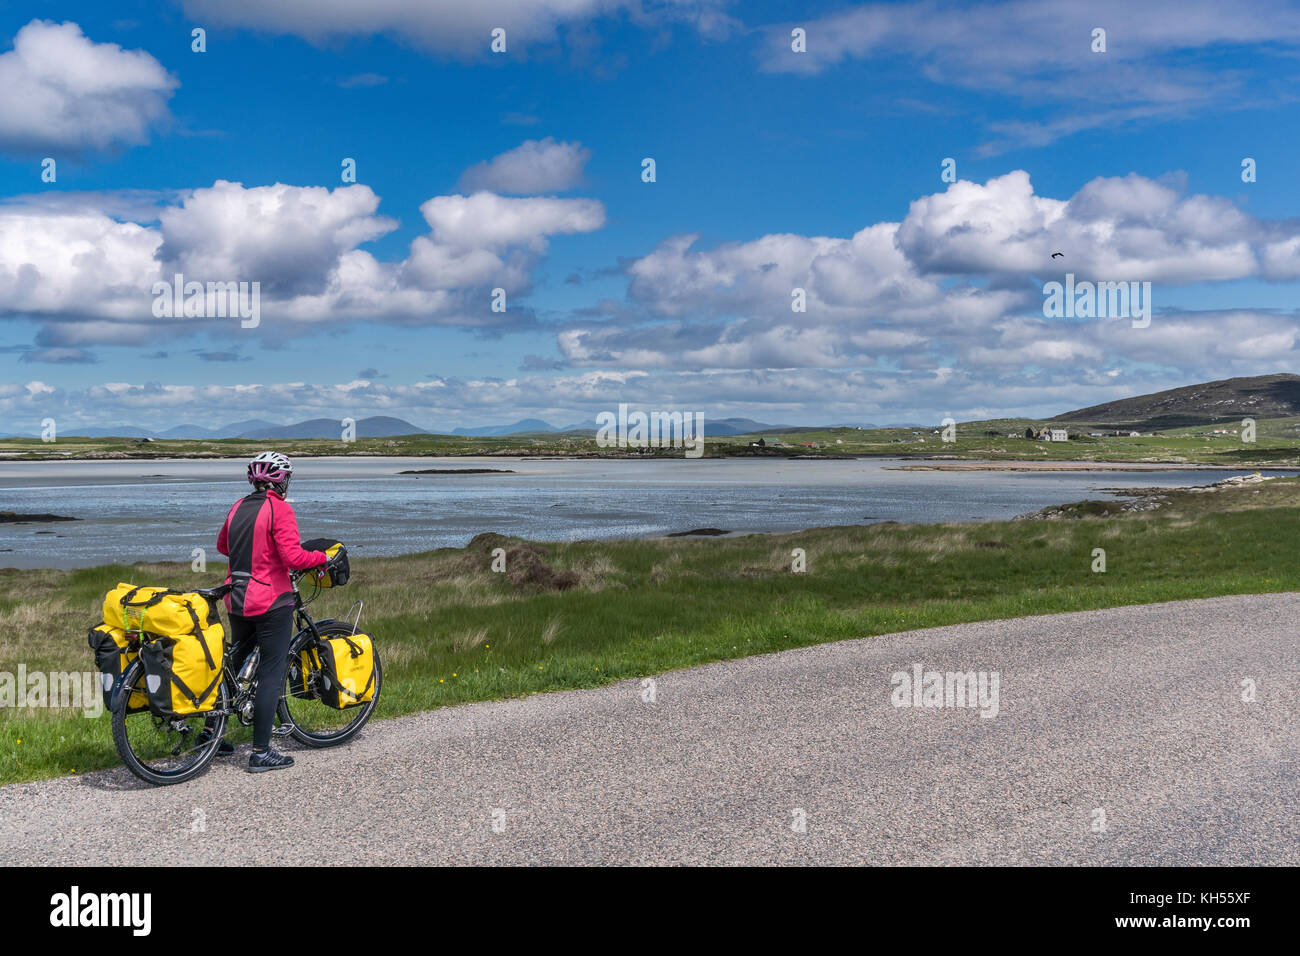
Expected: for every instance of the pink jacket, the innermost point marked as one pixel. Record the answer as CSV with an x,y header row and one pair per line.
x,y
260,537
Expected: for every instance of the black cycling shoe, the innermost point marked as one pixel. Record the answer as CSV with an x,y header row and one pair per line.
x,y
268,759
225,749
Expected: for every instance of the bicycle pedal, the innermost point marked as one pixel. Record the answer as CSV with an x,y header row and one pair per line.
x,y
284,730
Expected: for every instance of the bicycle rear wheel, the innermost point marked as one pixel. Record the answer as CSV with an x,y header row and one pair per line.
x,y
158,750
313,722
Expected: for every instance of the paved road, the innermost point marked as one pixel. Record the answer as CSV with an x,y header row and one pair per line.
x,y
1136,712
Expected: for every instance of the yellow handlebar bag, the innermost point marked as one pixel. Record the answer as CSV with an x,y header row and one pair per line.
x,y
336,570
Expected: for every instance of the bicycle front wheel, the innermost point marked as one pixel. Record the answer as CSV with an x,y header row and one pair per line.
x,y
311,721
158,750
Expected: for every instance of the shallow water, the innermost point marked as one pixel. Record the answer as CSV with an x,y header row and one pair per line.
x,y
162,510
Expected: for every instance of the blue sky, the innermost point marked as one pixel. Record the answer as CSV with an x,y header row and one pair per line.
x,y
1127,160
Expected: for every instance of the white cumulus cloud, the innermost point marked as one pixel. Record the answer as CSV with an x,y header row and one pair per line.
x,y
456,28
87,274
64,93
533,167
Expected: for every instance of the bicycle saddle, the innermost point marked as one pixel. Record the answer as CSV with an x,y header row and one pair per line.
x,y
214,594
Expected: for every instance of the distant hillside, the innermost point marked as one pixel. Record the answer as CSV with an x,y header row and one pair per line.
x,y
236,430
380,426
1232,399
239,428
494,431
737,426
790,429
188,431
114,431
713,428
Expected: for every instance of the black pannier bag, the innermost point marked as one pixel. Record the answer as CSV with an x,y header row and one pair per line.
x,y
114,650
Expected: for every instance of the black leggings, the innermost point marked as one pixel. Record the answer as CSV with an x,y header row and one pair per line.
x,y
270,631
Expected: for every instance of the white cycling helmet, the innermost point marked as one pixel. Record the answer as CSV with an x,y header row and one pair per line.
x,y
271,468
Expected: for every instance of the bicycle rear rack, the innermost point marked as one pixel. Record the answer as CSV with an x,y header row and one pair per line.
x,y
357,606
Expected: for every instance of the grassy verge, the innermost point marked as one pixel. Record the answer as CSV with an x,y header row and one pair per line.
x,y
563,616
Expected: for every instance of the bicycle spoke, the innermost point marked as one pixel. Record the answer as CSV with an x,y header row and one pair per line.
x,y
166,750
316,723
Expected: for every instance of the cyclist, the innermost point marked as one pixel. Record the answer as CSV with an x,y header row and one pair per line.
x,y
260,537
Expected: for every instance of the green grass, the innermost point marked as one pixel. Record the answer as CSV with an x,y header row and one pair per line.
x,y
1277,444
31,449
450,630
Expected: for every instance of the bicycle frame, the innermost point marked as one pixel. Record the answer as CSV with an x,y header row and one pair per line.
x,y
304,624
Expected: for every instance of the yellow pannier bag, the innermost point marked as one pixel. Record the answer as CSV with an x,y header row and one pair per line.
x,y
181,645
113,652
347,670
157,610
183,672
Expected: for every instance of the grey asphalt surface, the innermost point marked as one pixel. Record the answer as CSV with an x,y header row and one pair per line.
x,y
1134,711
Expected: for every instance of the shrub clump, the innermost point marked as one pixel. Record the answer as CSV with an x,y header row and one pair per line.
x,y
527,570
487,541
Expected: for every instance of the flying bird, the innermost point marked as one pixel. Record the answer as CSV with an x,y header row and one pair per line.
x,y
1055,254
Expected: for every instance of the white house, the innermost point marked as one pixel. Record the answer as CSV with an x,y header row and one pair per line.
x,y
1058,434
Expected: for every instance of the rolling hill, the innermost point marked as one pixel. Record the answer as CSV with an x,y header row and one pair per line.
x,y
378,426
493,431
1227,400
532,426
